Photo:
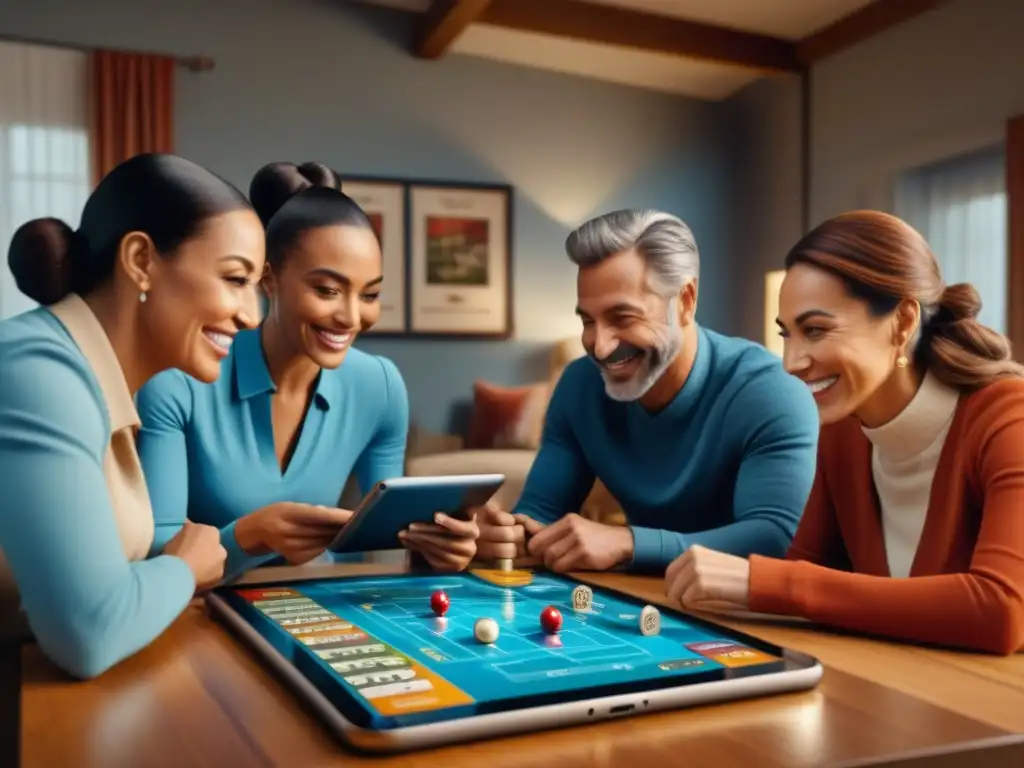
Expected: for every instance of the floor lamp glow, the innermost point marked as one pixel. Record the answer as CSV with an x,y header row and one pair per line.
x,y
772,285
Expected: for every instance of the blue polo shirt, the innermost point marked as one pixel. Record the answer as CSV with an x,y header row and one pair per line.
x,y
727,464
208,449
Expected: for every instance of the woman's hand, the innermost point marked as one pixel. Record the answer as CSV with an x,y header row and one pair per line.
x,y
199,546
297,532
704,579
447,544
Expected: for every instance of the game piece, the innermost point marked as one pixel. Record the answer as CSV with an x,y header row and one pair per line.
x,y
551,619
508,606
439,603
485,630
650,620
582,598
504,564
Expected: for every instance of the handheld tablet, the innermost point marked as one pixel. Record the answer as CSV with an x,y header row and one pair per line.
x,y
392,504
373,657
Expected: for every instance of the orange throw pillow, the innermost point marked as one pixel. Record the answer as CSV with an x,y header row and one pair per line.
x,y
507,417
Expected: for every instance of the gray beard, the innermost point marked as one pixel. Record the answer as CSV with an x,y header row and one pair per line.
x,y
656,361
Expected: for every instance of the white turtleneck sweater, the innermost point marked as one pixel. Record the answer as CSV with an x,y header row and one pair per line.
x,y
904,456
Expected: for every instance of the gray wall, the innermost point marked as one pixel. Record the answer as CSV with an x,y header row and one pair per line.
x,y
939,85
767,214
308,80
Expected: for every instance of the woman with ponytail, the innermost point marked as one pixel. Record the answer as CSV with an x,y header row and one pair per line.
x,y
159,275
299,410
915,526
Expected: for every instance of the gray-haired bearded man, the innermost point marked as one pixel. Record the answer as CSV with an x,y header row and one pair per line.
x,y
703,439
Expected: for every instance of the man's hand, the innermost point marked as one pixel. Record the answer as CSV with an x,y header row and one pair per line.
x,y
703,579
576,543
501,536
447,544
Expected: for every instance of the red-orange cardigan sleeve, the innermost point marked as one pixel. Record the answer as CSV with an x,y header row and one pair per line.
x,y
818,539
982,609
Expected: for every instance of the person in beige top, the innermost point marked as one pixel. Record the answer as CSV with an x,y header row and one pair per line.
x,y
159,275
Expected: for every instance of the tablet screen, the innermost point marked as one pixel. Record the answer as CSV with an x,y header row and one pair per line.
x,y
378,651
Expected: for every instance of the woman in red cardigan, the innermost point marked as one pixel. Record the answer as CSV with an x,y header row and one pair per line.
x,y
914,529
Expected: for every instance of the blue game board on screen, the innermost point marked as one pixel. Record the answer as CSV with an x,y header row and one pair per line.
x,y
379,637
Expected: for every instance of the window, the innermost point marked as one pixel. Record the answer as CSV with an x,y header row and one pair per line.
x,y
959,205
44,145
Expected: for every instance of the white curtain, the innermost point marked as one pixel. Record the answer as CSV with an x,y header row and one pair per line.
x,y
959,205
44,145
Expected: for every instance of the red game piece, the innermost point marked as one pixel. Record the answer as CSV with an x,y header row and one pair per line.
x,y
439,603
551,619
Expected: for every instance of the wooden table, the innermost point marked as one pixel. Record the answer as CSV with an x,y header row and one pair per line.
x,y
198,698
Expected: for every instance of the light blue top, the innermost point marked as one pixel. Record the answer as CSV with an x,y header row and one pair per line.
x,y
208,449
88,605
728,464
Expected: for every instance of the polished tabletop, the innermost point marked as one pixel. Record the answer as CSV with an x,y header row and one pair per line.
x,y
196,697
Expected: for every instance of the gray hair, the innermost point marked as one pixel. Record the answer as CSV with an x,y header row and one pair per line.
x,y
661,239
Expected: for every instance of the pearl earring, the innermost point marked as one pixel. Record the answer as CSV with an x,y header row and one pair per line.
x,y
142,297
901,361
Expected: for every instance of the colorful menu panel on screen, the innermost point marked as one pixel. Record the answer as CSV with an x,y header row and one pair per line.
x,y
380,636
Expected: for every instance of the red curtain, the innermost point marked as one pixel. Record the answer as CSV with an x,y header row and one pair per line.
x,y
132,107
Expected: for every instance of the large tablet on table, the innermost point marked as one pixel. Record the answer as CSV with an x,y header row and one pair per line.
x,y
387,674
391,505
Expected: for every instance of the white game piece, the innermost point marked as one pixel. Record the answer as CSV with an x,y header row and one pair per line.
x,y
582,598
485,630
650,620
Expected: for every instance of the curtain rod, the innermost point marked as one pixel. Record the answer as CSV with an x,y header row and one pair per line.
x,y
195,63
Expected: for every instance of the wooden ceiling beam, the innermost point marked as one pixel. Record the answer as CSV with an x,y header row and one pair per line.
x,y
608,25
859,26
443,23
579,20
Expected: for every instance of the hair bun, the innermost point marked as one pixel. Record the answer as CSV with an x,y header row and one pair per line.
x,y
958,302
41,258
276,183
319,175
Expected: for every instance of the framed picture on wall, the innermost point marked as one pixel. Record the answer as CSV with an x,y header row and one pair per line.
x,y
384,202
460,260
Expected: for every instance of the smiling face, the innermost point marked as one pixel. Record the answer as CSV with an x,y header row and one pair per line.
x,y
845,353
198,297
632,333
326,291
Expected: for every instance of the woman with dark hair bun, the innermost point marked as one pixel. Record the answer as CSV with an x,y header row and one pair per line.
x,y
159,275
300,410
914,526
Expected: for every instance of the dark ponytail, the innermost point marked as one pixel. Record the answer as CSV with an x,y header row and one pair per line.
x,y
292,199
882,260
164,196
960,350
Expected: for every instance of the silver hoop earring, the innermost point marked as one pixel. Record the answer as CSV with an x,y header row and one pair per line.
x,y
142,297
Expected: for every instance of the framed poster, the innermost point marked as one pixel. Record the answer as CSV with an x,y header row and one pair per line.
x,y
460,260
384,202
